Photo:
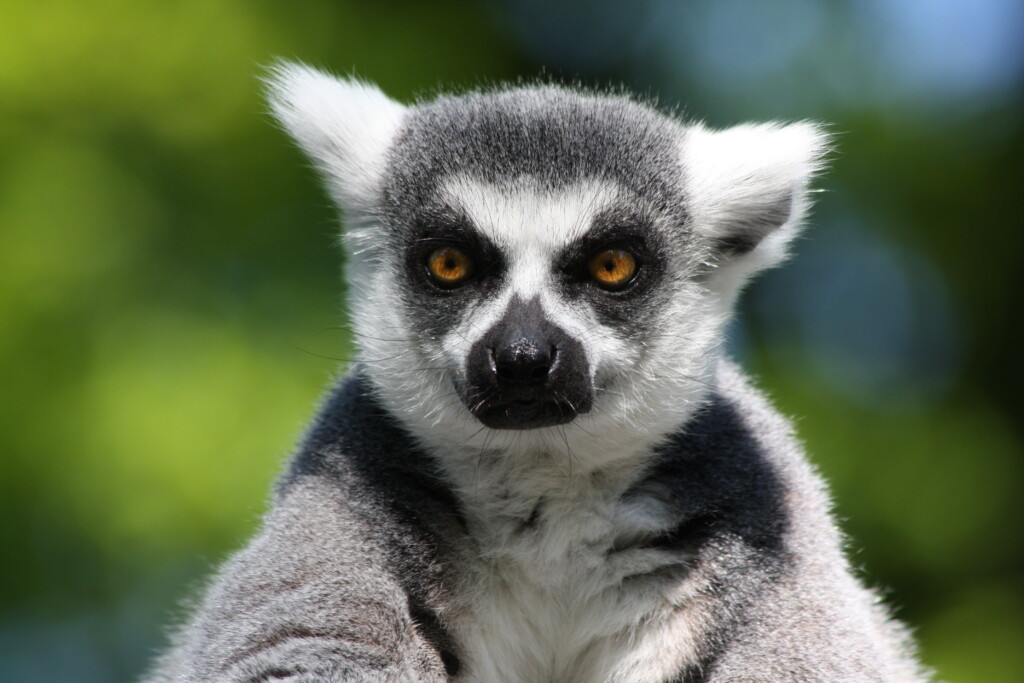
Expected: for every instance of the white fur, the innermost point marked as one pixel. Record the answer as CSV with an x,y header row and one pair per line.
x,y
740,171
346,127
552,605
343,124
531,224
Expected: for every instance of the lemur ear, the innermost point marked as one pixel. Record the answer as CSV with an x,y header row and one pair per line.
x,y
344,125
748,189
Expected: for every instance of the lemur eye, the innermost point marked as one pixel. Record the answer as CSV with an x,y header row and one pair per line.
x,y
613,268
449,266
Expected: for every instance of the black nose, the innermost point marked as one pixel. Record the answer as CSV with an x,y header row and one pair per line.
x,y
526,372
523,362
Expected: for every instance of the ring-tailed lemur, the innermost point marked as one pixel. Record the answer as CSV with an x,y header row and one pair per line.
x,y
542,469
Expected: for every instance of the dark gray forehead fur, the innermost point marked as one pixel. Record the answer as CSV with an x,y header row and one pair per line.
x,y
555,135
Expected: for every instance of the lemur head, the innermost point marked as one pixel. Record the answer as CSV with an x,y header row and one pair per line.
x,y
532,266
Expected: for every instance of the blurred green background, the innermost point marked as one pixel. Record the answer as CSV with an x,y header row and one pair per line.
x,y
170,293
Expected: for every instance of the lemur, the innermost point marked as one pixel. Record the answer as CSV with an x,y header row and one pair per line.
x,y
542,467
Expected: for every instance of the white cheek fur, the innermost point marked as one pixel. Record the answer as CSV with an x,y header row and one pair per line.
x,y
643,390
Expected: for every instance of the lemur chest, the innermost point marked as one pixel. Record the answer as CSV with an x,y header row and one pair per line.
x,y
573,591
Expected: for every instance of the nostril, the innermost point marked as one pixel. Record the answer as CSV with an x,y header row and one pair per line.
x,y
504,372
518,372
539,374
522,362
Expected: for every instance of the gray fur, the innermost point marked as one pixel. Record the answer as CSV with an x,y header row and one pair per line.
x,y
554,134
331,588
403,545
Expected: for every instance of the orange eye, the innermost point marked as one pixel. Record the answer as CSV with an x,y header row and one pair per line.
x,y
449,266
613,268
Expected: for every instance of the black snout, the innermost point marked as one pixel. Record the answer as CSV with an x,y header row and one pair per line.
x,y
526,361
527,372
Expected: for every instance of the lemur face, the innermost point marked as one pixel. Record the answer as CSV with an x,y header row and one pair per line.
x,y
534,297
542,265
541,244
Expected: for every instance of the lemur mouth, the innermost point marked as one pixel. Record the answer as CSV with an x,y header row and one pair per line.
x,y
525,413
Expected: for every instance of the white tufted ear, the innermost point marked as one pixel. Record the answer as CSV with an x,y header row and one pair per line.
x,y
748,188
344,125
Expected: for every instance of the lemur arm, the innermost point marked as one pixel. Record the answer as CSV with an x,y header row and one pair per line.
x,y
311,598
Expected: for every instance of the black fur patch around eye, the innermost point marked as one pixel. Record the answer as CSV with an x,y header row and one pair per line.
x,y
434,309
631,308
